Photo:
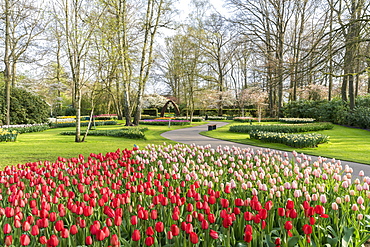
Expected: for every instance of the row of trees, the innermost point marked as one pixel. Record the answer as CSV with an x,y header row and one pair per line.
x,y
107,52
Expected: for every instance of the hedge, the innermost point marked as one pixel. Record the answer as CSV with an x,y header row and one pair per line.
x,y
292,140
29,129
283,128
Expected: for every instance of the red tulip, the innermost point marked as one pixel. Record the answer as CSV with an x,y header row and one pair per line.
x,y
193,237
281,212
248,216
35,230
312,220
43,240
117,220
136,235
25,240
211,218
277,241
149,231
268,205
213,234
153,214
114,241
52,216
204,225
169,235
7,228
64,233
263,214
88,240
73,230
288,225
289,204
149,241
319,209
307,229
59,225
248,237
224,203
100,235
159,226
293,213
8,240
175,230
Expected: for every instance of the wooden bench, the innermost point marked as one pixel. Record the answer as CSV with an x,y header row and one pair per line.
x,y
211,127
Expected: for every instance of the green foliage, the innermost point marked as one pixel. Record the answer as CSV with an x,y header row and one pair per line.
x,y
151,112
360,117
73,124
292,140
281,128
25,108
30,129
131,133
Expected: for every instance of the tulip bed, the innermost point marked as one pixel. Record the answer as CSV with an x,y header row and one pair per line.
x,y
282,128
297,120
292,140
180,195
131,133
8,135
165,122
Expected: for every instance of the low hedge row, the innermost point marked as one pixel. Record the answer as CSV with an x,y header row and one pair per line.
x,y
85,123
131,133
282,128
293,140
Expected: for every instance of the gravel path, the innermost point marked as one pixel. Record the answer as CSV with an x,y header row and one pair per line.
x,y
191,136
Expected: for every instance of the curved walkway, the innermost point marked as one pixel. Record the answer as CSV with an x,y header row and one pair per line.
x,y
191,135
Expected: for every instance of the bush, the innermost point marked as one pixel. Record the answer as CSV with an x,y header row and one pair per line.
x,y
216,118
360,117
283,128
292,140
25,108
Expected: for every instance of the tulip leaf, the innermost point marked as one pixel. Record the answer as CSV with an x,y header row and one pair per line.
x,y
332,231
269,241
293,241
364,240
348,232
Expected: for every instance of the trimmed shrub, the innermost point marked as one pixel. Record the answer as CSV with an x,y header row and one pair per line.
x,y
194,119
292,140
25,108
283,128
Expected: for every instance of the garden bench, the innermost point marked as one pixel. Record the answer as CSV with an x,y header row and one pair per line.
x,y
211,127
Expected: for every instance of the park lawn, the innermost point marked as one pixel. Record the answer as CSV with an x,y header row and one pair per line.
x,y
48,145
347,144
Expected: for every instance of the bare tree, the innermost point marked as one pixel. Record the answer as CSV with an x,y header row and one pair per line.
x,y
22,24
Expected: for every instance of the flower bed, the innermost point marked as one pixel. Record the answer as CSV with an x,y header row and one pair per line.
x,y
164,122
216,118
194,119
106,117
83,123
184,196
282,128
8,135
297,120
21,129
253,119
131,133
292,140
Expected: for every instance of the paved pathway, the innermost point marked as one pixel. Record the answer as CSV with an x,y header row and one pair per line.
x,y
191,135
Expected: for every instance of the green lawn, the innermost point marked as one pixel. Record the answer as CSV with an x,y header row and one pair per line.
x,y
345,143
48,145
